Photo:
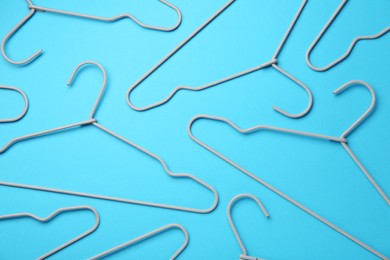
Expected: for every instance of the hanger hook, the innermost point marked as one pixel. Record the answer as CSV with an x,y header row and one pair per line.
x,y
26,105
303,86
229,209
76,70
13,32
267,185
368,111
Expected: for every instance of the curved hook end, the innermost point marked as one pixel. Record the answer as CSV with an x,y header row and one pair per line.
x,y
72,77
368,111
229,215
10,34
30,59
33,57
26,105
303,86
102,69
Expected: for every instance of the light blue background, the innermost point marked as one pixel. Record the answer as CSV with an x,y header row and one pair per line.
x,y
318,174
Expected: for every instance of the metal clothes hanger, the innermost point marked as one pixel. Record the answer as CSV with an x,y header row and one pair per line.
x,y
145,237
272,63
52,216
342,140
351,46
33,9
244,255
93,121
23,113
235,200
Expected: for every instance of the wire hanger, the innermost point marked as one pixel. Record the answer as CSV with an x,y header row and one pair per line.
x,y
342,140
235,200
244,255
268,186
351,46
52,216
93,121
145,237
33,9
272,63
23,113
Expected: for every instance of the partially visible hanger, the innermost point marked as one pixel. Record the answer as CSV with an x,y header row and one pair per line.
x,y
23,113
272,63
33,8
341,140
235,200
145,237
93,121
52,216
244,255
351,46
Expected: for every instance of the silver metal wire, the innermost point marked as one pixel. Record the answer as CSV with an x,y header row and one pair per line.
x,y
52,216
145,237
92,121
102,88
341,140
169,55
244,255
33,9
350,48
26,104
268,186
368,111
272,63
43,133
